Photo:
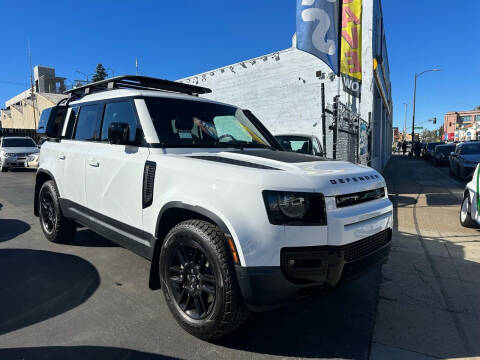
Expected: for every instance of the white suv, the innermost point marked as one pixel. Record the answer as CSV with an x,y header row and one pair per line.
x,y
231,223
15,152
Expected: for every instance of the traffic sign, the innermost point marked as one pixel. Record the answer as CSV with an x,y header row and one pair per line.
x,y
418,127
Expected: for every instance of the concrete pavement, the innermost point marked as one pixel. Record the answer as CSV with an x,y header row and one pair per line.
x,y
429,303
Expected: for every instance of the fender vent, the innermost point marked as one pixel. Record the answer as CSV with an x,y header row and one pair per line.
x,y
148,182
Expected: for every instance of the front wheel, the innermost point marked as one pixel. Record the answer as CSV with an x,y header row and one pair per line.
x,y
198,280
56,227
465,213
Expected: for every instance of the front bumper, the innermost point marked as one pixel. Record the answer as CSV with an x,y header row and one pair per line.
x,y
14,162
305,270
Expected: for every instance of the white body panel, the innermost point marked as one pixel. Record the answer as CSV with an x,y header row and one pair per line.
x,y
472,189
114,178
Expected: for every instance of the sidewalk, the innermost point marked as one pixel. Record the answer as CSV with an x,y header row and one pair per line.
x,y
429,304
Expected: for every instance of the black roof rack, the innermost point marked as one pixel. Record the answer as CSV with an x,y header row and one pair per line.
x,y
137,82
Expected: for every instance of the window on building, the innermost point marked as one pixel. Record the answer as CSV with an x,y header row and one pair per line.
x,y
477,118
465,119
86,128
121,112
450,124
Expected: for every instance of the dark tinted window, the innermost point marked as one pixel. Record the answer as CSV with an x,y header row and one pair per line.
x,y
71,122
18,143
445,149
190,123
86,128
300,144
470,149
121,112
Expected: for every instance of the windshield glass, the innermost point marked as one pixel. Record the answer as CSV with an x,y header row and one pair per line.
x,y
18,143
187,123
299,144
470,149
431,146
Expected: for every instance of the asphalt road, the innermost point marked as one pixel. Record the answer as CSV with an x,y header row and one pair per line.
x,y
90,300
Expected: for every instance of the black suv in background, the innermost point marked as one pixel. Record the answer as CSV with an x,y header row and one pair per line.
x,y
441,153
429,150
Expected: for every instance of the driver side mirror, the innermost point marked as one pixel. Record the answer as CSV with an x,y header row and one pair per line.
x,y
118,133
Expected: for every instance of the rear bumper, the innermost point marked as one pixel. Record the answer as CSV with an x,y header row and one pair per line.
x,y
319,268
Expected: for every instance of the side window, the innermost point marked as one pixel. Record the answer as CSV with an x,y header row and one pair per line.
x,y
316,146
121,112
72,119
458,152
86,128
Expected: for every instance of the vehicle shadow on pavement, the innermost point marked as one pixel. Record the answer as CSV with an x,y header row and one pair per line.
x,y
11,228
40,285
315,327
77,353
87,238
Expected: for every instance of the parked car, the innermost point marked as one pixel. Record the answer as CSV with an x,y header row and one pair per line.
x,y
429,150
305,144
470,208
441,154
231,223
464,159
14,151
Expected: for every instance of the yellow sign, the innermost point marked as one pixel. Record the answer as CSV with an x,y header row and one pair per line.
x,y
351,47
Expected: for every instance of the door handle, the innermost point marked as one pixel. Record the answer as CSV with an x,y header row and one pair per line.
x,y
62,156
93,163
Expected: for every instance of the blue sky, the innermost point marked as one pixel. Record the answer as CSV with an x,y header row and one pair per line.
x,y
178,38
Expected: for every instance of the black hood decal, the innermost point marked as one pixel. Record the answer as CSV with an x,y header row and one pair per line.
x,y
234,162
283,156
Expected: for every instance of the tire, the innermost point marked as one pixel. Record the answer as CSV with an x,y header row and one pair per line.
x,y
56,227
450,169
465,213
206,276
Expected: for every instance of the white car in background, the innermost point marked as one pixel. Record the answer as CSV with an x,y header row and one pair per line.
x,y
15,150
470,209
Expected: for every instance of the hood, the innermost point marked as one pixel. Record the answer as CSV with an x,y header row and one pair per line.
x,y
327,176
22,150
472,157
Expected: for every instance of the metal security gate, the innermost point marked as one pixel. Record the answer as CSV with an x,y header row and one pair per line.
x,y
346,133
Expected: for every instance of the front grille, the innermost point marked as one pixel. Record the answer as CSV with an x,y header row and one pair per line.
x,y
360,248
359,197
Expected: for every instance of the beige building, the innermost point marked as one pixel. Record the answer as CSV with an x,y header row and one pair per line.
x,y
22,112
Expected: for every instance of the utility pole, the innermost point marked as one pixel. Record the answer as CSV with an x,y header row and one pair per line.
x,y
136,66
405,124
32,95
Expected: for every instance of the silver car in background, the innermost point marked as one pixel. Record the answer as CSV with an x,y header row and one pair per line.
x,y
15,152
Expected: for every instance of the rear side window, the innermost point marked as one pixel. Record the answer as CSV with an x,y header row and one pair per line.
x,y
121,112
72,119
86,128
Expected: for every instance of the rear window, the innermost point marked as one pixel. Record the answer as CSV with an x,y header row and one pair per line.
x,y
445,149
18,143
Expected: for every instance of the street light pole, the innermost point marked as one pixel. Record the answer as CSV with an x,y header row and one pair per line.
x,y
414,99
405,124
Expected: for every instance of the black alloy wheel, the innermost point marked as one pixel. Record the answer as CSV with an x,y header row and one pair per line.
x,y
192,280
48,215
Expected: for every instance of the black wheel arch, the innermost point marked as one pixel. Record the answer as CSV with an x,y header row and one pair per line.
x,y
171,214
41,177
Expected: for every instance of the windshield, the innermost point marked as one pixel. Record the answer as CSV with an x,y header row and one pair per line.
x,y
187,123
431,146
18,143
470,149
299,144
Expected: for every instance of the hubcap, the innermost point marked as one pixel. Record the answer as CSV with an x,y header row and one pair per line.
x,y
192,281
48,214
464,211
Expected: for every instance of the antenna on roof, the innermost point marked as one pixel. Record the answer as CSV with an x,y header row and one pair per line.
x,y
136,66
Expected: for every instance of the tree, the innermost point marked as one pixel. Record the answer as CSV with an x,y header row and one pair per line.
x,y
100,73
477,108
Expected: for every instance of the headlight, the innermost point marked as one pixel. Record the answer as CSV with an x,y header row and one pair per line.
x,y
291,208
10,154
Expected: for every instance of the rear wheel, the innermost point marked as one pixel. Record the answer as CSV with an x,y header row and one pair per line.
x,y
465,213
198,280
56,227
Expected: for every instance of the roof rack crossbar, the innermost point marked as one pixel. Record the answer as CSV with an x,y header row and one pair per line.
x,y
139,83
